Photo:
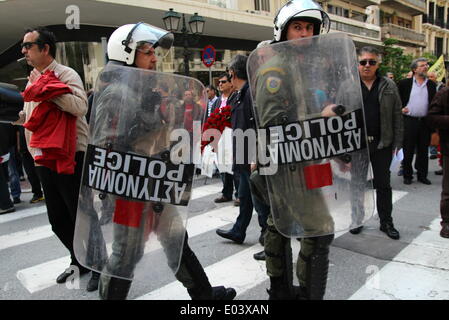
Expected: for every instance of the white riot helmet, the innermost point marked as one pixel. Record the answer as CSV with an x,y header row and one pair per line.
x,y
307,10
124,41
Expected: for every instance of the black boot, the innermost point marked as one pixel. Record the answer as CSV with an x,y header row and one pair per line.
x,y
92,285
190,267
317,267
111,288
215,293
279,289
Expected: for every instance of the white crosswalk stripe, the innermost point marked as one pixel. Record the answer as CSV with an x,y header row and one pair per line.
x,y
23,214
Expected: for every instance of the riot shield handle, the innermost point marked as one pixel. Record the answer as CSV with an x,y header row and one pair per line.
x,y
339,109
346,158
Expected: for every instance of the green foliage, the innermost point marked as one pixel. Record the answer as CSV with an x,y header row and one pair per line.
x,y
430,57
394,60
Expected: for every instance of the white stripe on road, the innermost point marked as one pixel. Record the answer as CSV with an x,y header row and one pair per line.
x,y
23,214
44,275
206,190
418,272
22,237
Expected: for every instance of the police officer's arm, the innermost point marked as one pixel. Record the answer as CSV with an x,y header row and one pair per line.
x,y
273,97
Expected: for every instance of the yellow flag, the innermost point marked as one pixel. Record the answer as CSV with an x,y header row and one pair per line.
x,y
438,68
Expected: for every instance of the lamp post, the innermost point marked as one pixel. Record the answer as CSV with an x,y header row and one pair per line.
x,y
196,23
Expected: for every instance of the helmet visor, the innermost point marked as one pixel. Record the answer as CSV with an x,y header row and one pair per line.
x,y
161,40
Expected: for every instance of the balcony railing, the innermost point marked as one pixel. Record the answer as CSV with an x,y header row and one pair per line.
x,y
413,7
402,33
339,26
417,3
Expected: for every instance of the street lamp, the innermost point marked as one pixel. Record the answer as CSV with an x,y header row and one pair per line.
x,y
196,23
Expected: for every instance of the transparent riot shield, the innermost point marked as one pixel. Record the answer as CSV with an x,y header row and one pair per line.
x,y
138,173
312,146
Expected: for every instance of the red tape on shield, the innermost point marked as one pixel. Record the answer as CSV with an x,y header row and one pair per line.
x,y
318,175
128,213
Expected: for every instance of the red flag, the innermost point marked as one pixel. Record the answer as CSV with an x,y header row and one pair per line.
x,y
318,175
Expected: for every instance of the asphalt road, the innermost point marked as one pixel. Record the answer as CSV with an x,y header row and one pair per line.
x,y
368,266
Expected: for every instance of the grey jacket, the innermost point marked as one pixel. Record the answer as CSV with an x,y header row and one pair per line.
x,y
391,120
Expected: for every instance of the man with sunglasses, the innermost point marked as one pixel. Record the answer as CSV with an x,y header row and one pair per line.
x,y
230,181
416,95
61,190
382,108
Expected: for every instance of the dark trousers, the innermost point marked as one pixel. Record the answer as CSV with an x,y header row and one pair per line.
x,y
262,212
246,204
380,161
14,176
5,198
61,198
30,169
230,182
444,204
416,137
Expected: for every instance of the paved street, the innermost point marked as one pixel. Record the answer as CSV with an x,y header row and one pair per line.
x,y
362,267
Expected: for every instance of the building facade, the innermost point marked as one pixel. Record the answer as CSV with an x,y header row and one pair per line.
x,y
231,26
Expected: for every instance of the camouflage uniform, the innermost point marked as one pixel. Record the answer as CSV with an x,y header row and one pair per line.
x,y
276,89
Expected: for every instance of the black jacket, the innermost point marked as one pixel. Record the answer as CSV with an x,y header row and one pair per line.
x,y
438,118
7,134
405,88
242,118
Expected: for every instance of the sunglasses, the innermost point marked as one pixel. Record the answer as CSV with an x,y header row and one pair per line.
x,y
28,45
222,81
365,62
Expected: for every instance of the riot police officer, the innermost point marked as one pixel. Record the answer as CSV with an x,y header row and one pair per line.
x,y
296,19
144,132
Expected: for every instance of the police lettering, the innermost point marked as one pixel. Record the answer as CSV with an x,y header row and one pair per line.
x,y
315,139
145,166
136,177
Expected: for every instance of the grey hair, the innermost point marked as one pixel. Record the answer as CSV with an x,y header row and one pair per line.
x,y
238,65
414,63
369,49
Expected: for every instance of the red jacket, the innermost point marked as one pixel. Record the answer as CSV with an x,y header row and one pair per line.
x,y
54,131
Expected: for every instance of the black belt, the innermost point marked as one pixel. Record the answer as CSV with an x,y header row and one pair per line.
x,y
417,118
372,138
